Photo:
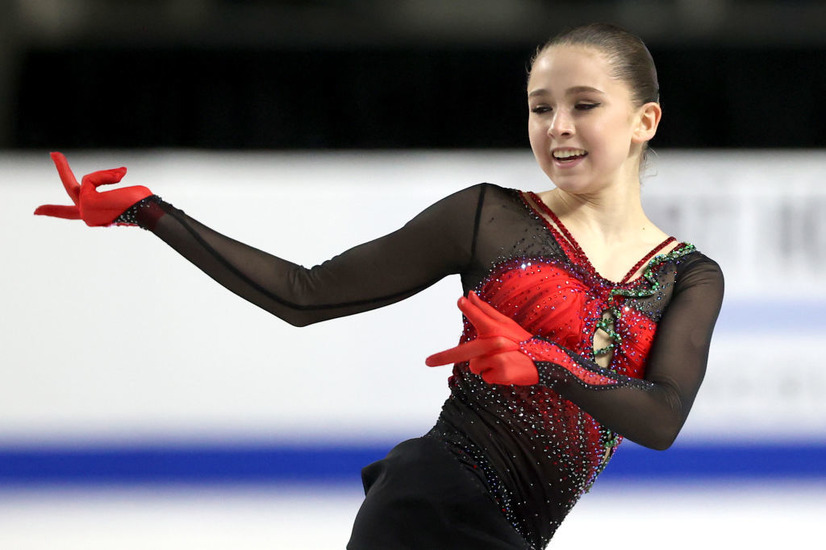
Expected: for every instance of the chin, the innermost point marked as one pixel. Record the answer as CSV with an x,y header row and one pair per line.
x,y
570,183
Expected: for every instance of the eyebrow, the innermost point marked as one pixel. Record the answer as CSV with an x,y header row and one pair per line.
x,y
569,91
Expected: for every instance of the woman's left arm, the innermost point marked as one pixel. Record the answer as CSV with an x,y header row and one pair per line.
x,y
649,411
652,411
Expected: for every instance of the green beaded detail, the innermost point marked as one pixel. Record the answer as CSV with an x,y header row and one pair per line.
x,y
608,322
648,274
614,313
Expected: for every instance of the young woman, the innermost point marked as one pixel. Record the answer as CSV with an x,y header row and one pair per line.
x,y
585,323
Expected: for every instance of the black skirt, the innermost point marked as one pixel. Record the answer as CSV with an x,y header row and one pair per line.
x,y
422,497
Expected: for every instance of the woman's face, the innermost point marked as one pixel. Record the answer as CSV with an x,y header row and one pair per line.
x,y
585,131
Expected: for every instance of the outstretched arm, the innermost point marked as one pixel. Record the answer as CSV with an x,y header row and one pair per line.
x,y
650,411
434,244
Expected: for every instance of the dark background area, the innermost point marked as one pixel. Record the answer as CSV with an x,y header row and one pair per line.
x,y
373,74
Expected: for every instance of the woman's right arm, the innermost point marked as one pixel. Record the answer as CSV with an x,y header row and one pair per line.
x,y
436,243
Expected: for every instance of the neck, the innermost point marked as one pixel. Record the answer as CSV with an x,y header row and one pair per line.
x,y
613,214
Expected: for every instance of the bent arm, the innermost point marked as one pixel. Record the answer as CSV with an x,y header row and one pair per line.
x,y
650,411
436,243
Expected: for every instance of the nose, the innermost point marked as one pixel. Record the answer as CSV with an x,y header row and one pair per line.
x,y
561,125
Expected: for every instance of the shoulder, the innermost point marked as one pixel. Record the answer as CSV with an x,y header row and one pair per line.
x,y
493,193
695,268
491,189
483,194
693,260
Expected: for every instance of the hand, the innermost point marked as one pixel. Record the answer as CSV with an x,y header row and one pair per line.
x,y
94,208
495,353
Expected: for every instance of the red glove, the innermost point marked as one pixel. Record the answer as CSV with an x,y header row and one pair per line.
x,y
494,354
96,209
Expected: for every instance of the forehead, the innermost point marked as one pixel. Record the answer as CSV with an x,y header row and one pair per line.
x,y
562,67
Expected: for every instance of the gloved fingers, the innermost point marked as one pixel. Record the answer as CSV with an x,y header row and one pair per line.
x,y
481,321
94,208
509,368
104,177
491,366
488,321
482,365
58,211
66,176
458,354
485,307
468,351
514,329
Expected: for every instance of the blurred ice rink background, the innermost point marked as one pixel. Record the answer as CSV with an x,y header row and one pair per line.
x,y
143,406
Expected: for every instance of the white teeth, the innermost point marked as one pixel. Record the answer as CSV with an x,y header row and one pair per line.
x,y
568,153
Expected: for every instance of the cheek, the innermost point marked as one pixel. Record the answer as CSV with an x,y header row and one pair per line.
x,y
539,147
536,134
540,150
614,132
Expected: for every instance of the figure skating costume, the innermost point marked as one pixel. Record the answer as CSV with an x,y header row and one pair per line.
x,y
504,464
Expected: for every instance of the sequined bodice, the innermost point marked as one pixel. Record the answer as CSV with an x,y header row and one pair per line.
x,y
558,296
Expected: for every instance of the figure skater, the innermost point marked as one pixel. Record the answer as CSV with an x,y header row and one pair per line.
x,y
584,322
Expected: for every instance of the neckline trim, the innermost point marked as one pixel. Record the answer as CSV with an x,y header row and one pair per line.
x,y
572,248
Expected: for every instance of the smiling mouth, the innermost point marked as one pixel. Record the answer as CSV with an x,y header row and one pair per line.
x,y
569,155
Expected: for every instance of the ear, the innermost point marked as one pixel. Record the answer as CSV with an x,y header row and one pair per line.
x,y
648,119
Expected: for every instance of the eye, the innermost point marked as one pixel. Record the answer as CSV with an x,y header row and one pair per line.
x,y
586,106
540,109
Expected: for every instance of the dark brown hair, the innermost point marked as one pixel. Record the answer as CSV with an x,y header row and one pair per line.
x,y
626,53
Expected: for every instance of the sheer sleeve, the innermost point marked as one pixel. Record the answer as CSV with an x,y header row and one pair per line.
x,y
436,243
649,411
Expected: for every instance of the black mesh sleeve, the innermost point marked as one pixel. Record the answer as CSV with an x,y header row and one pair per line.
x,y
436,243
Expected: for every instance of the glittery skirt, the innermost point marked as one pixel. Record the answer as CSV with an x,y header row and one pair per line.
x,y
421,497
